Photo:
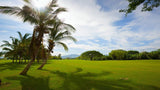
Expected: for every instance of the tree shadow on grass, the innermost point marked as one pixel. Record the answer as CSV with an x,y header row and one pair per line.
x,y
10,66
32,83
14,66
78,80
84,81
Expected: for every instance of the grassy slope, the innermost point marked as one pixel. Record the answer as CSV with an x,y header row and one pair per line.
x,y
83,75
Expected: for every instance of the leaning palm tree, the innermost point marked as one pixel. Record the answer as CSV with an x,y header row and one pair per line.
x,y
41,21
60,32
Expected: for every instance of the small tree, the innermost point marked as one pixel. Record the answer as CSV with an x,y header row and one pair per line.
x,y
91,55
118,54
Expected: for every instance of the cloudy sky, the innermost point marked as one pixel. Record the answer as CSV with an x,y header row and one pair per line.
x,y
98,23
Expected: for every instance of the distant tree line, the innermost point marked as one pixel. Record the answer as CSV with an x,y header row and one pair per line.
x,y
120,55
56,57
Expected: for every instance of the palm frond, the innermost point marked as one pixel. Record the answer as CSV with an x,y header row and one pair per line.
x,y
29,14
20,35
53,4
7,49
26,36
50,22
9,10
27,1
59,10
66,38
69,27
63,44
6,43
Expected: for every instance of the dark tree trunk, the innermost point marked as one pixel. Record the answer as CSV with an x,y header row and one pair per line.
x,y
24,72
13,61
44,62
34,48
19,60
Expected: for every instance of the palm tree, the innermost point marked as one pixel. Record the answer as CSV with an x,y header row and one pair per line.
x,y
60,32
17,48
10,49
24,42
40,19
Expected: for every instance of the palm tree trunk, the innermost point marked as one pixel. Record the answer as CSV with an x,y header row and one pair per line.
x,y
13,61
44,61
34,48
24,72
42,65
19,61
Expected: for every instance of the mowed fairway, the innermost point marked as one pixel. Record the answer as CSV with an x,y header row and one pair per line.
x,y
83,75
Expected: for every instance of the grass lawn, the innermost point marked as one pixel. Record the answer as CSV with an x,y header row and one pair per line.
x,y
83,75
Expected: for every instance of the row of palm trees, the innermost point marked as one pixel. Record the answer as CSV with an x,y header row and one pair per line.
x,y
45,22
18,48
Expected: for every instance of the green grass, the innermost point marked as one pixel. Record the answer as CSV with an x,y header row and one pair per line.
x,y
83,75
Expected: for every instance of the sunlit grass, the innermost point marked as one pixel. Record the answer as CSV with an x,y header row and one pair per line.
x,y
82,75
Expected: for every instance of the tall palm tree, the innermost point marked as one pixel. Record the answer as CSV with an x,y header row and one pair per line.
x,y
41,21
58,33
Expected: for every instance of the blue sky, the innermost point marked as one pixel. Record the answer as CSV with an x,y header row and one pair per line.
x,y
99,26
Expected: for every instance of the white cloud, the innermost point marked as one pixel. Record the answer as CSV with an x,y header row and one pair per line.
x,y
3,31
93,22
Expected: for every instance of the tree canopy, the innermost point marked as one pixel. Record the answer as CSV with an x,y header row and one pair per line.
x,y
147,5
91,55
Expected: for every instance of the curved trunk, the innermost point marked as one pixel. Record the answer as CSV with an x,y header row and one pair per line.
x,y
42,65
44,61
34,48
24,72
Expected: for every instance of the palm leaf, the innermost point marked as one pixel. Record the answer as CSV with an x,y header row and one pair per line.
x,y
69,27
66,38
25,37
63,44
6,49
59,10
6,43
27,1
20,35
9,10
